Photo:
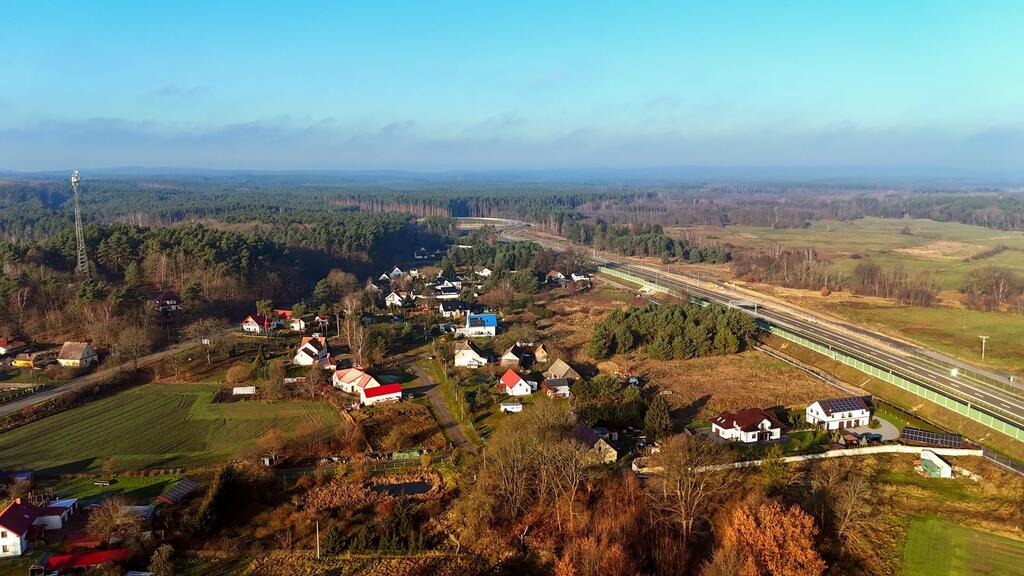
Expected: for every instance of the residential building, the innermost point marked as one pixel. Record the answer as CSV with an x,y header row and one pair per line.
x,y
259,324
540,354
513,384
312,350
838,413
560,369
421,254
519,355
748,425
556,388
380,394
556,277
167,302
446,292
603,448
56,514
353,380
580,277
397,299
77,355
467,355
479,326
454,308
10,346
484,272
16,522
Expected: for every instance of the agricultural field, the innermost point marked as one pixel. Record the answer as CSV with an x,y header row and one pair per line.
x,y
936,247
937,547
154,426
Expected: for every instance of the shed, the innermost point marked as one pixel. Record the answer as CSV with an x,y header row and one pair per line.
x,y
511,407
243,390
935,465
177,493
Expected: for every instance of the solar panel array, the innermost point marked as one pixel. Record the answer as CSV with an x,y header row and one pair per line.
x,y
938,439
843,404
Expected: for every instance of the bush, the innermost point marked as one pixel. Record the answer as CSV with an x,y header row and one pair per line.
x,y
874,423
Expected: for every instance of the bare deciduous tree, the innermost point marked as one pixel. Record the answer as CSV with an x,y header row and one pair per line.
x,y
691,482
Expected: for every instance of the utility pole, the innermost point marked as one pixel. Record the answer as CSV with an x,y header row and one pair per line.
x,y
317,539
984,339
82,262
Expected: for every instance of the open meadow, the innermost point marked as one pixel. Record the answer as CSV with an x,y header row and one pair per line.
x,y
154,426
938,547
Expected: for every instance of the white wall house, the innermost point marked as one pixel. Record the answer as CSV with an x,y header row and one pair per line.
x,y
311,350
838,413
513,384
77,355
479,326
353,380
15,522
749,425
258,324
468,356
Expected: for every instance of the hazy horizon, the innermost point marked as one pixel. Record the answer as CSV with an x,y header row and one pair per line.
x,y
468,86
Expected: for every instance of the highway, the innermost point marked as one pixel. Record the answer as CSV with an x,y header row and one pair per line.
x,y
1002,400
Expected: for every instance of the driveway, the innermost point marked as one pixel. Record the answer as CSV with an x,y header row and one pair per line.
x,y
887,429
448,425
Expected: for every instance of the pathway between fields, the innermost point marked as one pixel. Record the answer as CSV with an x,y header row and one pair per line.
x,y
448,424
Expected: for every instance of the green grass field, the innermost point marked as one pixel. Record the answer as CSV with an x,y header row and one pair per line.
x,y
937,547
936,247
943,329
153,426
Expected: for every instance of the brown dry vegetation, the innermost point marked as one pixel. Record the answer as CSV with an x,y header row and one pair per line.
x,y
391,427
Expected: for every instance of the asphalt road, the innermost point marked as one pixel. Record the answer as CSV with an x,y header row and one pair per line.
x,y
918,364
90,379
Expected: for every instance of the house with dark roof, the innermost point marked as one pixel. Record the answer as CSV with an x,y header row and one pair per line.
x,y
16,521
556,388
839,413
455,308
518,355
178,492
602,447
77,355
167,302
748,425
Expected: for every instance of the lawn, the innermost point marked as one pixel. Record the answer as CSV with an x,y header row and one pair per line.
x,y
134,488
937,547
153,426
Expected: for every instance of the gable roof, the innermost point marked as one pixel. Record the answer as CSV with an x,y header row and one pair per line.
x,y
166,296
465,345
455,305
510,378
848,404
316,342
747,419
18,516
85,559
516,351
256,318
382,390
178,492
8,343
560,369
357,377
75,351
588,437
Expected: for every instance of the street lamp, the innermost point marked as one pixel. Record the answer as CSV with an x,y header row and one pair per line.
x,y
984,339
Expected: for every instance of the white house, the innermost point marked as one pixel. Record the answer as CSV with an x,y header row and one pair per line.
x,y
748,425
56,513
15,523
380,394
479,326
556,277
484,272
513,384
468,356
446,292
453,308
353,380
299,324
258,324
580,277
312,350
837,413
77,355
8,346
396,299
167,302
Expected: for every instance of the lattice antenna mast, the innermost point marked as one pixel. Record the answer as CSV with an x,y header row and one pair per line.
x,y
82,266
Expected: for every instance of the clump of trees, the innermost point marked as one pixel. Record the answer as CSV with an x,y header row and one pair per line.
x,y
991,288
673,331
642,239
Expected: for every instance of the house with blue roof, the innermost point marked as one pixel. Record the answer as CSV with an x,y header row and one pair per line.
x,y
479,326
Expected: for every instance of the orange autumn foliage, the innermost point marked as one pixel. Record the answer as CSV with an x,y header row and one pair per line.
x,y
775,540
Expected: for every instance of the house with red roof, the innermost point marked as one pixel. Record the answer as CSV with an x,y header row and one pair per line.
x,y
380,394
16,522
10,346
748,425
513,384
258,324
353,380
77,561
312,350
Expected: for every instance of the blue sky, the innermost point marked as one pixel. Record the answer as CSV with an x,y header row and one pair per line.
x,y
477,85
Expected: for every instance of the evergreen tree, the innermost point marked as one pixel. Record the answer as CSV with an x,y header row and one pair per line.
x,y
657,421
